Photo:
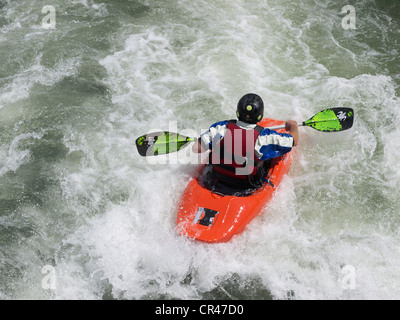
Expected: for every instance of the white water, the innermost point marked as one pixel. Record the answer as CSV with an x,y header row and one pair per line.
x,y
76,195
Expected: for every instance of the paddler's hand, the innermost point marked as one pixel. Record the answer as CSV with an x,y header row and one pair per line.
x,y
293,129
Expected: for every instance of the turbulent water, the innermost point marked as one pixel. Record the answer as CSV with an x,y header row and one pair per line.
x,y
83,216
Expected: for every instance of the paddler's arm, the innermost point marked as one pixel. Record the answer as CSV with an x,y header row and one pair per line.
x,y
210,138
293,129
271,144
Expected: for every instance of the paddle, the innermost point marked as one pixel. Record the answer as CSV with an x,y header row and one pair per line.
x,y
328,120
164,142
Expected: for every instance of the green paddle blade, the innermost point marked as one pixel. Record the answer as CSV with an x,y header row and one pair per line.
x,y
158,143
332,120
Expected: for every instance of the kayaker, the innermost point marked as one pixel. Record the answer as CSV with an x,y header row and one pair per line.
x,y
241,149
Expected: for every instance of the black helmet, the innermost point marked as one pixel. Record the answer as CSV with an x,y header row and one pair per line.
x,y
250,108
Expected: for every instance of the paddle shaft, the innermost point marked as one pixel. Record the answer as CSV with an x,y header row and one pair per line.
x,y
282,126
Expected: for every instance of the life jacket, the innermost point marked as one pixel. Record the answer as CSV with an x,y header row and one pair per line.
x,y
234,156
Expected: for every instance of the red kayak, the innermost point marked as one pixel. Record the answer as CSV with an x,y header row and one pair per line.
x,y
211,216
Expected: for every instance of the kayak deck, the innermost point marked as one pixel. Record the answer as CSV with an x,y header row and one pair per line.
x,y
212,217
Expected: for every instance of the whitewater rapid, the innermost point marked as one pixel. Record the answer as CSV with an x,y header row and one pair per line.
x,y
83,216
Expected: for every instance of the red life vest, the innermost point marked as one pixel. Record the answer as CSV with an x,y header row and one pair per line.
x,y
234,156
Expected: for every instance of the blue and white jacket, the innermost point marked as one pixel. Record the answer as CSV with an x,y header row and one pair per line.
x,y
269,144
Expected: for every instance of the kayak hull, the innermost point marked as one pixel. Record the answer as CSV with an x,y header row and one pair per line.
x,y
211,217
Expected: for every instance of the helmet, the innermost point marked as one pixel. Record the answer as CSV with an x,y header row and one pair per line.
x,y
250,108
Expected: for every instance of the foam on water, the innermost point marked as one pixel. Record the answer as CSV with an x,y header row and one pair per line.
x,y
13,158
19,87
